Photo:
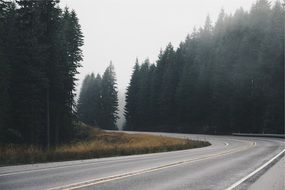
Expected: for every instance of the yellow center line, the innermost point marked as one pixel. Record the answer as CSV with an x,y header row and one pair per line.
x,y
148,170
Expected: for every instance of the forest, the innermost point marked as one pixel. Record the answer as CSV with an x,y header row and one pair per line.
x,y
224,77
98,100
40,51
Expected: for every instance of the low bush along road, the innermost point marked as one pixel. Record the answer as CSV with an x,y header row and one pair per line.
x,y
96,143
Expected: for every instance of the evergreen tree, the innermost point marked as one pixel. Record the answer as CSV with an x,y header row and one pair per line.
x,y
98,101
109,99
168,86
143,98
85,108
40,49
223,78
7,48
131,102
90,101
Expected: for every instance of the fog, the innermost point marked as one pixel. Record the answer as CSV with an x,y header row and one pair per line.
x,y
123,30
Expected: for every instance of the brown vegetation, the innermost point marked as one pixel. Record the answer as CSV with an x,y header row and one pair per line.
x,y
97,143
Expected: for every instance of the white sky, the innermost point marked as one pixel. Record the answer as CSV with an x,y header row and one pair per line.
x,y
121,30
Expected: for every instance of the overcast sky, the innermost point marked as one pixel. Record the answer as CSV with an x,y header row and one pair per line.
x,y
121,30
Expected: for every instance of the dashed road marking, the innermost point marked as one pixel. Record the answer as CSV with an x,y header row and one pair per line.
x,y
148,170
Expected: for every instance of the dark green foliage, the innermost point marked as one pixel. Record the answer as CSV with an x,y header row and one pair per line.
x,y
40,53
109,99
223,78
98,100
131,113
7,46
90,101
84,107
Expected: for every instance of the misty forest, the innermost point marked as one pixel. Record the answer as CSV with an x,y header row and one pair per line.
x,y
98,100
225,77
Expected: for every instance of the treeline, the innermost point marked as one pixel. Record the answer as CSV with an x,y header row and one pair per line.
x,y
223,78
98,100
39,56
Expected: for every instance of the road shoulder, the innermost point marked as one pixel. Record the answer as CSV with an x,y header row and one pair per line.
x,y
273,179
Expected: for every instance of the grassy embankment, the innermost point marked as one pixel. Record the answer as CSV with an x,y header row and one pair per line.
x,y
97,143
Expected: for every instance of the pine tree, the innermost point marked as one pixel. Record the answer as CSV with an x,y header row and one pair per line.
x,y
85,107
223,78
143,97
71,41
7,48
131,100
97,100
41,57
109,99
271,61
168,87
90,101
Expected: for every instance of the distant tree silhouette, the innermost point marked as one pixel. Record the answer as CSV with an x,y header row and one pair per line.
x,y
227,77
98,100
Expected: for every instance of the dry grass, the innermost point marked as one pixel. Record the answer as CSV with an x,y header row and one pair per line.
x,y
99,144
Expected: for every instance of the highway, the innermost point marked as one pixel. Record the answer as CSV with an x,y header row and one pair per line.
x,y
231,162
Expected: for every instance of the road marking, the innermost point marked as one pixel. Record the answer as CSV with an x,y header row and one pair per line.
x,y
95,162
254,172
148,170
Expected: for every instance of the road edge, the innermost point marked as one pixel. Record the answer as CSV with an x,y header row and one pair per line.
x,y
246,181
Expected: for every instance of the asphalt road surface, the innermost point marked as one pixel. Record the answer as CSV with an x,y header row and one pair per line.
x,y
229,163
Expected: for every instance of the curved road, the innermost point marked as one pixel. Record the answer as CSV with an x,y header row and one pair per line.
x,y
229,163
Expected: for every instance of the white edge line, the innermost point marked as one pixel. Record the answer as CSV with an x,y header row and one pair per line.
x,y
130,174
254,172
93,161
